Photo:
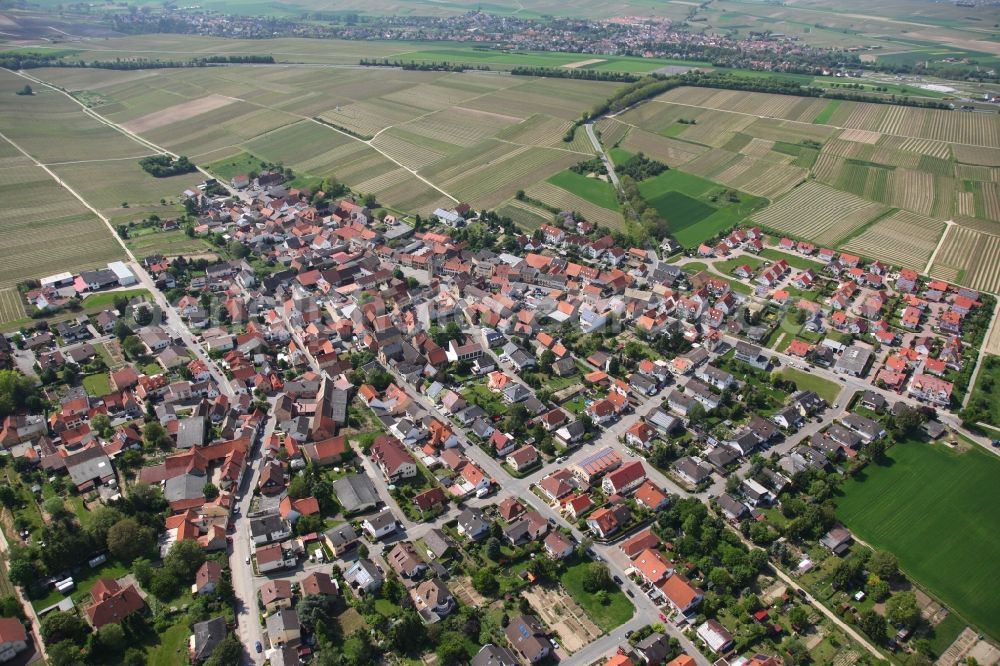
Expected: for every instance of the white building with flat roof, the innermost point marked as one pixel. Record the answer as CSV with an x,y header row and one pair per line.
x,y
57,280
124,274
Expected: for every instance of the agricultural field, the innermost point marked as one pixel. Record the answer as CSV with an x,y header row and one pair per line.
x,y
594,190
819,213
695,208
969,256
903,239
46,230
832,169
416,140
552,195
925,499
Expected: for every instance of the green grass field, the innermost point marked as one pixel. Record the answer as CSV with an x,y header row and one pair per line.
x,y
594,190
241,163
935,508
97,385
986,393
806,381
618,610
794,260
682,199
824,116
619,155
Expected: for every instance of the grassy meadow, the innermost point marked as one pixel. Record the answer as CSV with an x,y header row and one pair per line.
x,y
934,507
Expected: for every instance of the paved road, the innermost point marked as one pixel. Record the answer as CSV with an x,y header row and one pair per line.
x,y
646,610
247,617
608,164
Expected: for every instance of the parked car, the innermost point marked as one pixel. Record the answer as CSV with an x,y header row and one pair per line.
x,y
618,580
258,647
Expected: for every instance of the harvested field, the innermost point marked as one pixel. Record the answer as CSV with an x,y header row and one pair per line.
x,y
582,63
860,136
177,113
903,239
818,213
557,196
978,155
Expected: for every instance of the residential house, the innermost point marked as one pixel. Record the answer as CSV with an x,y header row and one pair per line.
x,y
340,539
557,546
528,638
405,561
380,525
715,636
625,479
111,603
681,594
283,628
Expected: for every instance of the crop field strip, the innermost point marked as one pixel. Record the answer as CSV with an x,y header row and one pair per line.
x,y
11,306
819,213
971,256
671,152
557,196
974,129
902,238
524,214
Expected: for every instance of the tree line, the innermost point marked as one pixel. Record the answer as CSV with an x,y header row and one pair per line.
x,y
423,66
14,61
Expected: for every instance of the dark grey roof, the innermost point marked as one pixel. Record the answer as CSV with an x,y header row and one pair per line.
x,y
207,635
266,524
355,491
491,655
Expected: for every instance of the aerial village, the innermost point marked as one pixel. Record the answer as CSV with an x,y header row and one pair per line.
x,y
435,429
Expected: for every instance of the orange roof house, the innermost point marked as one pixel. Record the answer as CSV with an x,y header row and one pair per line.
x,y
112,603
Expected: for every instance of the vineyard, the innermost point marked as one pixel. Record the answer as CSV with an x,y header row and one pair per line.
x,y
903,239
969,257
818,213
